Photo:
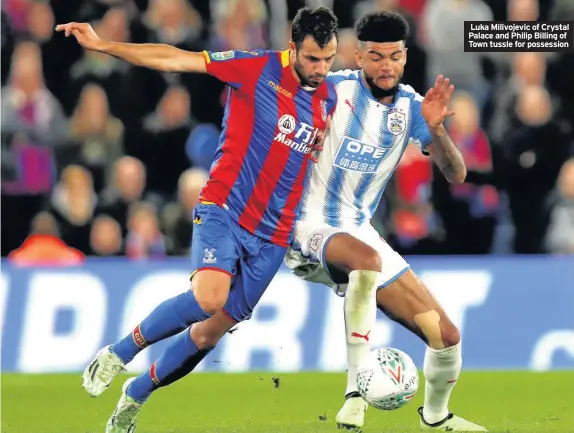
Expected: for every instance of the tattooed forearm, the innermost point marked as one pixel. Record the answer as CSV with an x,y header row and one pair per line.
x,y
447,156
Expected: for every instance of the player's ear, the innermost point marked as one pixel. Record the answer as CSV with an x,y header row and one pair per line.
x,y
359,58
292,48
406,49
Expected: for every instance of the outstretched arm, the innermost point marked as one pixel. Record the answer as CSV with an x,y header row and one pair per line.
x,y
434,108
446,156
161,57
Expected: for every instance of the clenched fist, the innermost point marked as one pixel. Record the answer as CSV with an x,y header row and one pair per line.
x,y
84,34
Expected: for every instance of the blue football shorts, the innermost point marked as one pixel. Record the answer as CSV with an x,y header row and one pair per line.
x,y
220,243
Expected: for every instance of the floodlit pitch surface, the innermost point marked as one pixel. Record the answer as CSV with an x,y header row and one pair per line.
x,y
518,402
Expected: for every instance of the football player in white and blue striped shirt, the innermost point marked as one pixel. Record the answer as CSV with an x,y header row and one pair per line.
x,y
334,243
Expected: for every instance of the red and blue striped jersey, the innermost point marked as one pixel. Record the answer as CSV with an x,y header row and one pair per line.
x,y
269,128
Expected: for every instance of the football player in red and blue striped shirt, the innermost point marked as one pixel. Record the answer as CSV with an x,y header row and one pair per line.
x,y
278,105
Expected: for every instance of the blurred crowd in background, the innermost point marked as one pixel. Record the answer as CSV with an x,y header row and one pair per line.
x,y
111,158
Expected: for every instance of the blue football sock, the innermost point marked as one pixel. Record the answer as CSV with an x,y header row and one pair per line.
x,y
178,360
168,318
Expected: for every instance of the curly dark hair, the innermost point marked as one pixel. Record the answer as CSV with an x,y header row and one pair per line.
x,y
319,23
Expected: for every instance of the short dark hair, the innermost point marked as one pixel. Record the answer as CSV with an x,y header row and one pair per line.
x,y
382,27
319,23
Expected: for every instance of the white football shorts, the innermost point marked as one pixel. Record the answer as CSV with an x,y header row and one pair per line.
x,y
305,256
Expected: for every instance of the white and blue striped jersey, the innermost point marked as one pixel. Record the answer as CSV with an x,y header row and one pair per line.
x,y
361,151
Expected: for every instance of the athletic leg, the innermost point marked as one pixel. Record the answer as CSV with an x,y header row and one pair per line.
x,y
408,302
352,262
361,266
189,348
181,357
215,253
183,354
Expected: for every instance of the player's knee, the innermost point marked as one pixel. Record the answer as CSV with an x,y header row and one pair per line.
x,y
210,301
211,289
373,262
204,340
450,335
207,334
367,259
210,298
438,331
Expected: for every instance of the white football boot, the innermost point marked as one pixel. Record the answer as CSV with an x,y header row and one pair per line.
x,y
451,423
101,371
123,419
352,414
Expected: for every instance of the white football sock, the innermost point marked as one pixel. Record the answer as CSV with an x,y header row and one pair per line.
x,y
360,315
441,370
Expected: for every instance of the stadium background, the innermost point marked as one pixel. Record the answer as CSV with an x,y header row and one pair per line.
x,y
111,158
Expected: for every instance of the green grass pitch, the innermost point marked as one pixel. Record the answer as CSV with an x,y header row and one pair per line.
x,y
306,402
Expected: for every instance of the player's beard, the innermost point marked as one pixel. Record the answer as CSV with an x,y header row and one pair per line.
x,y
304,80
379,92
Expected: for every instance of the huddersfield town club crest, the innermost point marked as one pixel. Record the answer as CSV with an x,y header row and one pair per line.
x,y
396,122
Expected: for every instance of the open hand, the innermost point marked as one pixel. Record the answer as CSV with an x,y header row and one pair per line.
x,y
84,34
434,107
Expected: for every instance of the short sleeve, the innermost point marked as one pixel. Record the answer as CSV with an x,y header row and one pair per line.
x,y
420,134
234,67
